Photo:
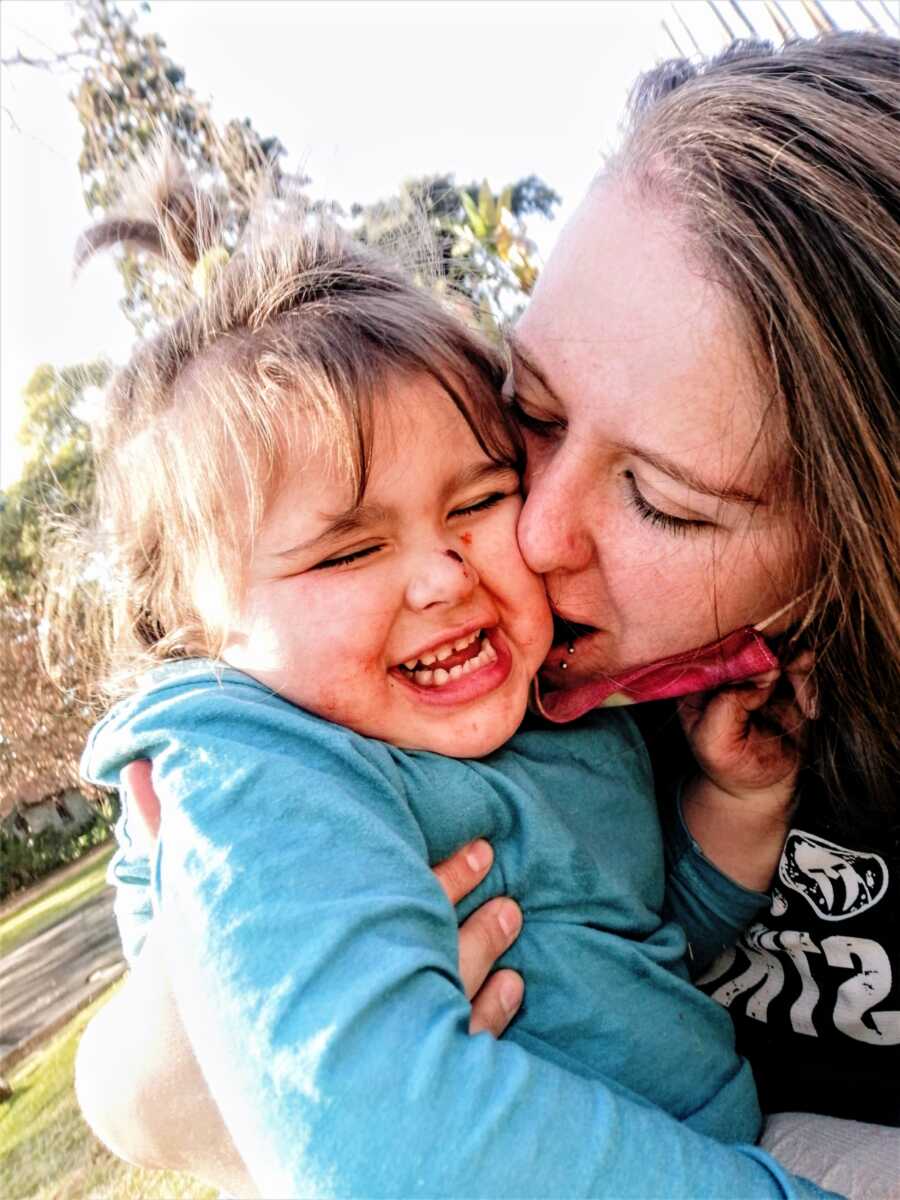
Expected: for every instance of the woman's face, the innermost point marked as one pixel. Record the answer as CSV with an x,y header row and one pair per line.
x,y
652,505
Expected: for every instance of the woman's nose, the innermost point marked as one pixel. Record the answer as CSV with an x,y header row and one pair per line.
x,y
441,576
553,530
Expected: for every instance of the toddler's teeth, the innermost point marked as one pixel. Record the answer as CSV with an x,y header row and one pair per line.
x,y
444,652
490,652
441,676
411,665
425,678
456,671
428,659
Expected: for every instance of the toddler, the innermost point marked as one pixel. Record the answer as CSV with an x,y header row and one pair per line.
x,y
312,495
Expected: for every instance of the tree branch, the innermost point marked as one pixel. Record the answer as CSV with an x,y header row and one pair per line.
x,y
44,64
16,127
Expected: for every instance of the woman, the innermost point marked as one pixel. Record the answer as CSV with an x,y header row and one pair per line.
x,y
707,378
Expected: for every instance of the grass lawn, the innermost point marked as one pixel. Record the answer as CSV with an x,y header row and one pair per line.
x,y
47,1151
46,911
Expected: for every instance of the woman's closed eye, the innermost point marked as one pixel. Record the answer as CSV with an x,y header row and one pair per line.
x,y
543,425
663,520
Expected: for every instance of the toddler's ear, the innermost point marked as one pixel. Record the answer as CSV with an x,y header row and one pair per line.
x,y
137,781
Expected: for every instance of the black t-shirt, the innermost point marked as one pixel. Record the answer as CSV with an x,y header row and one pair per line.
x,y
813,987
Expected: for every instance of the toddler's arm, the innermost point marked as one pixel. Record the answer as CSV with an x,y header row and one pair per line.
x,y
313,960
138,1082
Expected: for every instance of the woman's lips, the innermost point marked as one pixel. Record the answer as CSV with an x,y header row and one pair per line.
x,y
576,660
468,687
564,694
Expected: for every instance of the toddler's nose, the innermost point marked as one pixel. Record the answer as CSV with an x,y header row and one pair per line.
x,y
441,576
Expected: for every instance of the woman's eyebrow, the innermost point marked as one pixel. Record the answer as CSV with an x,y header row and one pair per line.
x,y
521,358
660,462
681,474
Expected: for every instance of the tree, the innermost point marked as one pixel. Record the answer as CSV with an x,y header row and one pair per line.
x,y
478,237
130,94
58,477
43,722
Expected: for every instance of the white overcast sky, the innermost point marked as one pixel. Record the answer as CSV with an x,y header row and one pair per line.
x,y
362,94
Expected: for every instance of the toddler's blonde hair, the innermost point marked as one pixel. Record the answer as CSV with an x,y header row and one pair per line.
x,y
296,335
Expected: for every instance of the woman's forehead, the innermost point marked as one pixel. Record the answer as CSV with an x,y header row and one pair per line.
x,y
636,343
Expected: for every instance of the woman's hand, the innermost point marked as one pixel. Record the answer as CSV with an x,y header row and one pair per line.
x,y
487,933
748,741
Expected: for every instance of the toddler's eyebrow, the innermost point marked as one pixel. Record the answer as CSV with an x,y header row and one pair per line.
x,y
476,473
360,516
363,516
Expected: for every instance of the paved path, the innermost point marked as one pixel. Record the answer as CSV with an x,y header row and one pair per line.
x,y
46,981
36,891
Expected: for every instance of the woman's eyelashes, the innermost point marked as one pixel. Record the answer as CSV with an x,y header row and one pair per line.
x,y
547,426
663,520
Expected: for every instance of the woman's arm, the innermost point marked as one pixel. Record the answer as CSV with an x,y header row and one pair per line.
x,y
141,1089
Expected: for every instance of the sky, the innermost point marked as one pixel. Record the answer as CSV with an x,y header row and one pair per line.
x,y
362,93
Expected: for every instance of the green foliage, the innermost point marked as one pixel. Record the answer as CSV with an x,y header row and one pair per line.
x,y
131,94
472,237
25,860
42,907
58,479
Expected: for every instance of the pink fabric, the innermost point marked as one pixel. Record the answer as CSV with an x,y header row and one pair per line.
x,y
732,659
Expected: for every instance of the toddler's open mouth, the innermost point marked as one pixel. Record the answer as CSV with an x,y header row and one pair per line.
x,y
460,670
452,660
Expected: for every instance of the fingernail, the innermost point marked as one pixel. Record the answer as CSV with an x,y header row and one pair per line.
x,y
510,919
509,995
764,681
479,855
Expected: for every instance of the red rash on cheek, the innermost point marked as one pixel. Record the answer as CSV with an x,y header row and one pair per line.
x,y
466,538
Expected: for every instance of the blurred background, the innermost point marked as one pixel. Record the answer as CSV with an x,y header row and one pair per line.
x,y
490,116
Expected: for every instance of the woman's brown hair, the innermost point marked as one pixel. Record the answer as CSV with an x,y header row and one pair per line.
x,y
293,339
783,167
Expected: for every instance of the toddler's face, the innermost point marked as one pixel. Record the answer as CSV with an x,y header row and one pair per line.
x,y
411,618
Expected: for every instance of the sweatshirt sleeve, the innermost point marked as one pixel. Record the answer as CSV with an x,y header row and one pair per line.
x,y
313,958
712,909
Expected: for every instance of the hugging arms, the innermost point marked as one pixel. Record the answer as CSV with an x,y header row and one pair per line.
x,y
670,498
